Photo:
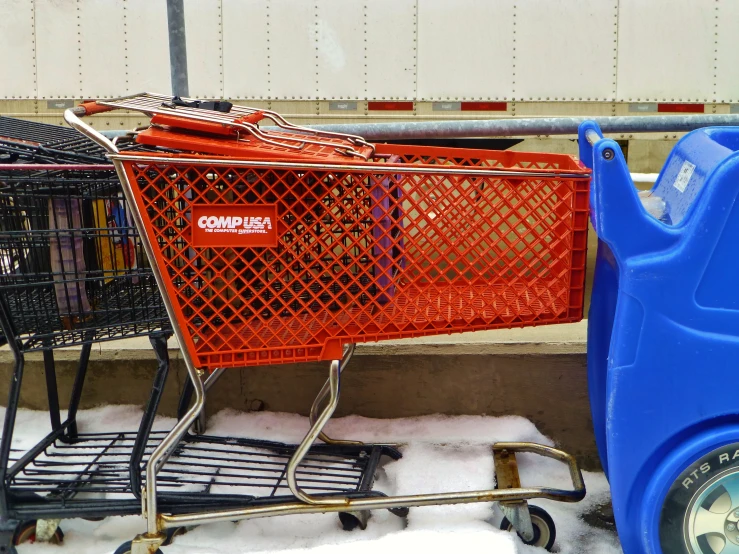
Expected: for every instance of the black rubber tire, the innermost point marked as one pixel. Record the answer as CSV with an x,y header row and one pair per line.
x,y
540,518
172,533
350,522
399,512
26,532
717,464
125,548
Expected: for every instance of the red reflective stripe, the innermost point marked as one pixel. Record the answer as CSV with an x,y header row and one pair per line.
x,y
390,106
680,108
484,106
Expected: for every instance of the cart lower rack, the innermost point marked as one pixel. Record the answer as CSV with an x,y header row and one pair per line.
x,y
80,477
276,247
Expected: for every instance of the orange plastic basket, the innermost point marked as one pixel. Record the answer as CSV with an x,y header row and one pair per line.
x,y
279,261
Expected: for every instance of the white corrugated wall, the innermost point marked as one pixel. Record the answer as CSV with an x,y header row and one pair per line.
x,y
423,50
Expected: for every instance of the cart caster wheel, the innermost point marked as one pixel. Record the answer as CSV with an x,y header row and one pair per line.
x,y
544,529
400,512
126,547
172,533
353,520
26,533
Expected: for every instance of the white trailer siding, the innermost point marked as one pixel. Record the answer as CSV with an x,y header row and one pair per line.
x,y
420,50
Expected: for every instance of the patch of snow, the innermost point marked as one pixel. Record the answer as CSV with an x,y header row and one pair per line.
x,y
440,454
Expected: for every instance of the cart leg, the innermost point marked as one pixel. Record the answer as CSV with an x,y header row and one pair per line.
x,y
7,524
186,398
7,534
159,344
348,353
334,386
154,535
506,476
211,380
52,391
79,382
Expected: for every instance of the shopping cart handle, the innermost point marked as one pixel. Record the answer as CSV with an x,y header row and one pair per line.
x,y
616,211
72,117
592,136
253,118
588,135
91,108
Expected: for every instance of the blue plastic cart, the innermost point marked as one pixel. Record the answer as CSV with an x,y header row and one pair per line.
x,y
663,343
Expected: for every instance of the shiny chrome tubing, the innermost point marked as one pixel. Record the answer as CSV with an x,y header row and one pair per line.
x,y
150,104
213,378
495,495
348,353
71,117
310,438
166,447
578,483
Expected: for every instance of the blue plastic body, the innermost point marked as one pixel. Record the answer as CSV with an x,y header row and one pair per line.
x,y
663,326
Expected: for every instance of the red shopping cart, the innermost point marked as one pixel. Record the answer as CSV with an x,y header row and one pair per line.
x,y
287,245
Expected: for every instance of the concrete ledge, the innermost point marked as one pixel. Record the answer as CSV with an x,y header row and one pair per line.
x,y
566,338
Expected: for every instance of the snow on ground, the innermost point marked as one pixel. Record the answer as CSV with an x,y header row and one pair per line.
x,y
440,454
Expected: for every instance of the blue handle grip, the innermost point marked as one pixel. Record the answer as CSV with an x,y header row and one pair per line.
x,y
588,134
616,211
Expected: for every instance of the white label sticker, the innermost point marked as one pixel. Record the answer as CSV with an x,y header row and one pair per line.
x,y
683,178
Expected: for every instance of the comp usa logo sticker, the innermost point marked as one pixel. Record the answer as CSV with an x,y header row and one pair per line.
x,y
245,225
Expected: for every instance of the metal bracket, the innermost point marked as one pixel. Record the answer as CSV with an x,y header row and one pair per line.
x,y
147,544
507,477
518,514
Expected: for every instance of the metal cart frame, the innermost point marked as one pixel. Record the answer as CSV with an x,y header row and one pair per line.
x,y
54,479
511,496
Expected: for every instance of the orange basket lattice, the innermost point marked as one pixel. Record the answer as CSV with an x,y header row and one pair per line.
x,y
278,261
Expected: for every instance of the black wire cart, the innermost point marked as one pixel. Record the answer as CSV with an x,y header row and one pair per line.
x,y
72,274
33,142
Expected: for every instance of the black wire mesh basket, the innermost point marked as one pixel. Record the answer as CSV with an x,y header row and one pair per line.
x,y
33,142
72,268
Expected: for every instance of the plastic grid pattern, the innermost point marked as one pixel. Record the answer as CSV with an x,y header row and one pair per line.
x,y
368,253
